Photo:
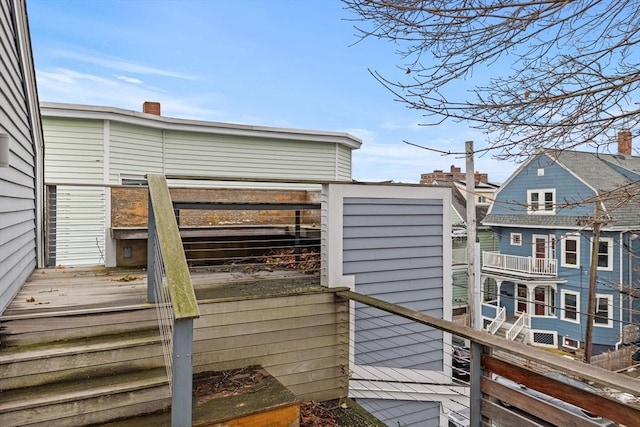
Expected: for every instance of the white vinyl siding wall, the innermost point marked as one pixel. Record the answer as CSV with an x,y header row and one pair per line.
x,y
133,150
17,181
225,156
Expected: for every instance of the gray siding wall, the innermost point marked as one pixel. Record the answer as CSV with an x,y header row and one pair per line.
x,y
396,413
18,256
394,248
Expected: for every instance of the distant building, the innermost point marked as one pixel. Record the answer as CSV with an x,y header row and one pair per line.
x,y
484,190
543,217
91,149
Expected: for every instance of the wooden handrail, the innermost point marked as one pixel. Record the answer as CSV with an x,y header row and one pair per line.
x,y
183,297
569,366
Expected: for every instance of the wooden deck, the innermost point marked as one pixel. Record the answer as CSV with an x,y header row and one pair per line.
x,y
96,289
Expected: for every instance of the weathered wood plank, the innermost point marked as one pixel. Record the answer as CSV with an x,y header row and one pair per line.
x,y
505,416
614,409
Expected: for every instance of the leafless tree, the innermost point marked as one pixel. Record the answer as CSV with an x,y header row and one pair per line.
x,y
564,73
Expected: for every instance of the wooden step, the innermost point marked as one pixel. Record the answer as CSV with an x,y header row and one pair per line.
x,y
33,365
244,397
90,401
62,325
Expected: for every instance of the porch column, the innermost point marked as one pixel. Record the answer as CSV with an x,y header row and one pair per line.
x,y
499,285
530,295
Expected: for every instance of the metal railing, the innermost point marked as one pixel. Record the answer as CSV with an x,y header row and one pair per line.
x,y
498,321
523,321
502,374
521,265
169,287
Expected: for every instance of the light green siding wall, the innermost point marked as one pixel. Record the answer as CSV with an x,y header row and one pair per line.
x,y
343,163
133,150
74,152
224,156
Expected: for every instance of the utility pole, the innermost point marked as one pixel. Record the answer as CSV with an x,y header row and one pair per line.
x,y
473,290
593,273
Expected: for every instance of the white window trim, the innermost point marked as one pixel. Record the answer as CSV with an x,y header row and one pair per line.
x,y
609,323
564,344
575,237
541,210
564,292
609,241
513,237
546,245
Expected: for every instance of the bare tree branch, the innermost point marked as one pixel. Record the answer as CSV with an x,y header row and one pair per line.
x,y
565,73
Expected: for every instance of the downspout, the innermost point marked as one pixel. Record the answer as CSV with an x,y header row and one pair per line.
x,y
620,292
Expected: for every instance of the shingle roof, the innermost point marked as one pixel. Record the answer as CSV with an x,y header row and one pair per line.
x,y
615,178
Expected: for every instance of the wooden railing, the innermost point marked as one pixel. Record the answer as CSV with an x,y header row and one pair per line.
x,y
493,356
520,265
169,287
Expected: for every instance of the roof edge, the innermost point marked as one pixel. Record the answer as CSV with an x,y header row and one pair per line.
x,y
53,109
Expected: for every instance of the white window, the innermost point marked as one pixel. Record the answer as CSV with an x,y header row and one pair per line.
x,y
605,253
570,303
516,239
570,343
604,311
541,202
571,251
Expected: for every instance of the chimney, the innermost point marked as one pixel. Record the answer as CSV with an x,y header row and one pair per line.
x,y
480,177
151,108
624,142
454,169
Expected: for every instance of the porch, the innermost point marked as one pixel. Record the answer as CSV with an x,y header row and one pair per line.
x,y
519,265
81,345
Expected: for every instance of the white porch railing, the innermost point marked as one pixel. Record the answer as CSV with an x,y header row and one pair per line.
x,y
498,321
523,321
521,265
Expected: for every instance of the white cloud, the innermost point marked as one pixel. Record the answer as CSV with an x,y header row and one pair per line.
x,y
132,80
69,86
121,65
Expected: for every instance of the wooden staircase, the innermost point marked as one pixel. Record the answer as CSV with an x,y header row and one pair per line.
x,y
80,367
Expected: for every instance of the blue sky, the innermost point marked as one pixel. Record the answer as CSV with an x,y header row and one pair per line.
x,y
283,63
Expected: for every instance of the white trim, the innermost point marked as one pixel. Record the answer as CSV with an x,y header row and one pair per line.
x,y
534,247
515,239
609,323
566,337
541,204
406,391
610,252
543,331
564,292
563,250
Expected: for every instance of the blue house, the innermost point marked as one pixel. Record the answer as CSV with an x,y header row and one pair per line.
x,y
536,286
